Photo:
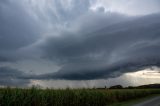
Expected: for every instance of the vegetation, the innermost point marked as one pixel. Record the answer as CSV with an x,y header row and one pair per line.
x,y
134,101
69,97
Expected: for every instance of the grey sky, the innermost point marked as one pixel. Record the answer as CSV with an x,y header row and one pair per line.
x,y
77,40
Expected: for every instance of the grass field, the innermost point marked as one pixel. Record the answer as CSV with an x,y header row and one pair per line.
x,y
70,97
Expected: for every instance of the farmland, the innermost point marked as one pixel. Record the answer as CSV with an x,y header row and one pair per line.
x,y
70,97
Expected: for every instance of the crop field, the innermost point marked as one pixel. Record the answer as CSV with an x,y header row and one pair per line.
x,y
69,97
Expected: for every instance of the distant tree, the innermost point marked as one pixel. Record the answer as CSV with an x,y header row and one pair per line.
x,y
130,87
116,87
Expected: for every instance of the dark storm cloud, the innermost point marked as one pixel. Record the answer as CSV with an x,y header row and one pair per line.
x,y
113,50
17,28
23,23
87,38
85,43
12,77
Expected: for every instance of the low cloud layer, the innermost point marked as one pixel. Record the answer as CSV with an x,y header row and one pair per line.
x,y
123,47
12,77
82,40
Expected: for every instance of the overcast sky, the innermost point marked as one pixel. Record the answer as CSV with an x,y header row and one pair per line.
x,y
62,42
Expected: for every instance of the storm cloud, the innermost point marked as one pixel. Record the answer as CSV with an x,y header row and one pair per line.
x,y
77,40
17,29
12,77
122,47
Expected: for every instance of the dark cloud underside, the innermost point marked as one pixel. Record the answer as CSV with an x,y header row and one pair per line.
x,y
85,39
12,77
126,46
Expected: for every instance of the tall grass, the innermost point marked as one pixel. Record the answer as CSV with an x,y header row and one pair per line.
x,y
69,97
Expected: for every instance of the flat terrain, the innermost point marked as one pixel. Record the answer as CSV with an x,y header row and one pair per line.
x,y
151,102
72,97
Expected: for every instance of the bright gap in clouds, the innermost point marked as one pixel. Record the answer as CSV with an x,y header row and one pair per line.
x,y
130,7
153,72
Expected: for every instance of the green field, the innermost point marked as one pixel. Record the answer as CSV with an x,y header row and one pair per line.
x,y
70,97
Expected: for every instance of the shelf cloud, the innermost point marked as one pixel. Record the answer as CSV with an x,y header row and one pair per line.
x,y
76,40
